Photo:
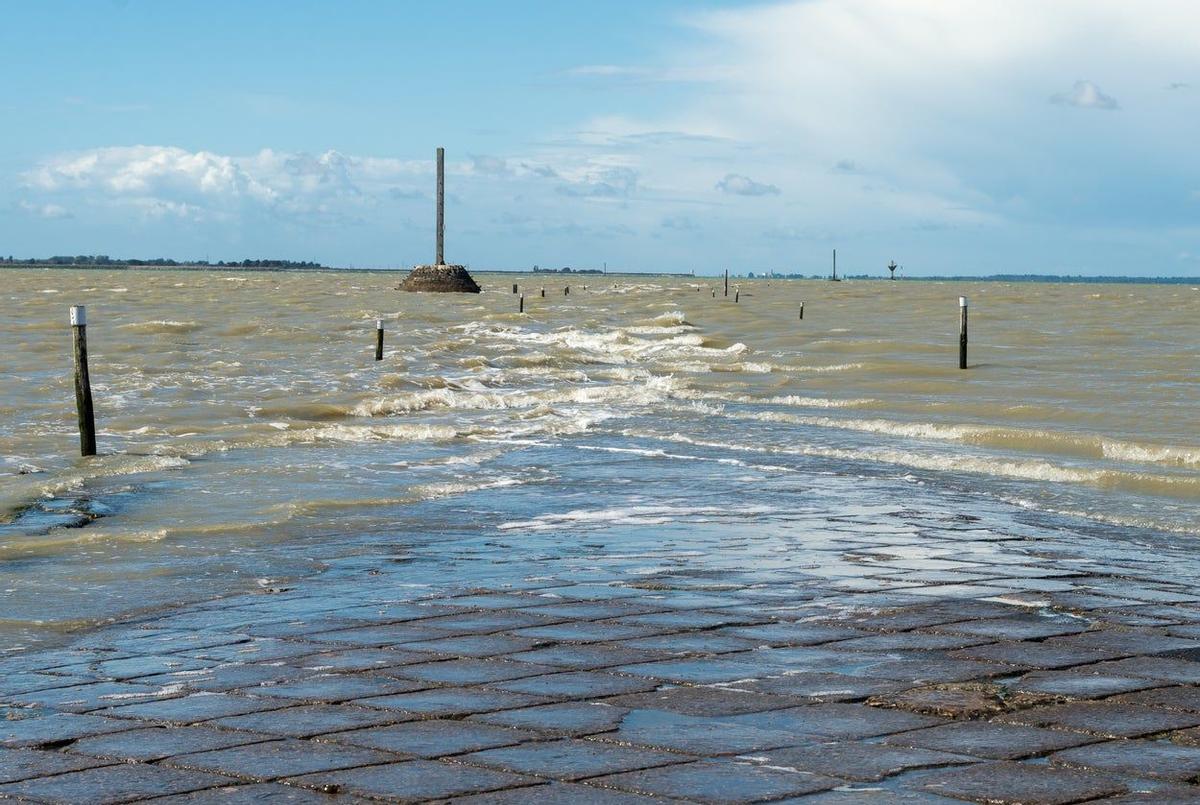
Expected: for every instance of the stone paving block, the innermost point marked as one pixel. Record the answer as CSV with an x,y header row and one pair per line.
x,y
358,659
588,657
718,781
276,759
398,611
589,631
823,687
471,671
1108,719
690,619
49,729
258,650
991,740
571,759
867,794
553,793
1026,628
955,700
223,678
836,720
1079,684
1159,759
859,761
705,701
569,719
696,670
694,643
1160,795
1022,784
334,688
1176,697
1164,668
444,702
918,671
123,782
17,683
254,794
309,720
576,685
133,667
1035,655
1127,642
392,634
92,696
195,708
699,736
24,764
302,628
433,739
156,743
474,645
413,780
597,610
487,622
915,640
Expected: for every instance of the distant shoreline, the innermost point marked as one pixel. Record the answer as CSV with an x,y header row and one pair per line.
x,y
1032,278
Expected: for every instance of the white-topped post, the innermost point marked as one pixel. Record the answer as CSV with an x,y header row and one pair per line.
x,y
83,383
379,339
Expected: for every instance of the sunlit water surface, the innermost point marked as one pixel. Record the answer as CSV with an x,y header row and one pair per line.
x,y
246,430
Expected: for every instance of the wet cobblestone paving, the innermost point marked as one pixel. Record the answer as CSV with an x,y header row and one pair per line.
x,y
930,648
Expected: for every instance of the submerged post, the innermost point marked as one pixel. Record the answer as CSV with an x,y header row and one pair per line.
x,y
727,282
543,292
962,332
801,311
566,290
379,339
83,383
441,207
521,309
737,295
514,287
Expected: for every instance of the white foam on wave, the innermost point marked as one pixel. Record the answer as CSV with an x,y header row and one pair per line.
x,y
633,515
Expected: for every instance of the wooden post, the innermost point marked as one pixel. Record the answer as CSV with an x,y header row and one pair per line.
x,y
514,287
566,290
379,339
962,332
441,206
801,311
83,383
521,309
727,282
714,293
543,292
737,295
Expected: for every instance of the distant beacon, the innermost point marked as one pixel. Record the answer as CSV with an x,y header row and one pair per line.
x,y
439,277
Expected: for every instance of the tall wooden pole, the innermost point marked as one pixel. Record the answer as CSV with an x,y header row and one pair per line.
x,y
83,384
727,282
441,206
379,339
962,332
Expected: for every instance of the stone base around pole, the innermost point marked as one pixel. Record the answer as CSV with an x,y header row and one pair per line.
x,y
439,279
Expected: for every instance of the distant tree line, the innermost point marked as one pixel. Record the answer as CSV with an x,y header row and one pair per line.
x,y
165,262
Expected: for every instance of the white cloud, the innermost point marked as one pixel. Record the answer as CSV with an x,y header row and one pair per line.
x,y
45,210
737,185
1085,95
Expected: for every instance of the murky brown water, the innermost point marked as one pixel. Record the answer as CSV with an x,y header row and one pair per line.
x,y
242,416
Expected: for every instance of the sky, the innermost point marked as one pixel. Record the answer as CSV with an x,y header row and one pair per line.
x,y
952,136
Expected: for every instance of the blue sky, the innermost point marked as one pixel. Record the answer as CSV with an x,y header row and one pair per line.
x,y
969,137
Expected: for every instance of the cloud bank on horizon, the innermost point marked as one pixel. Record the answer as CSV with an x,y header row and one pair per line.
x,y
970,137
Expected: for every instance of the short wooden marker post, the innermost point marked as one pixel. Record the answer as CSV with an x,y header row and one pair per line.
x,y
566,290
962,332
514,287
83,383
737,295
727,282
801,311
379,339
543,292
521,309
714,293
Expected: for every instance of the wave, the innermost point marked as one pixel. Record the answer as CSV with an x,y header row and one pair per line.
x,y
161,326
1080,445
